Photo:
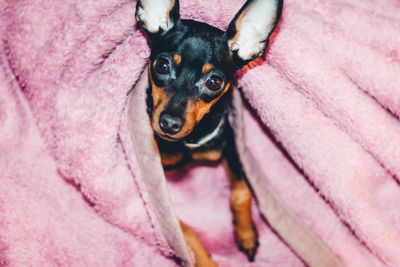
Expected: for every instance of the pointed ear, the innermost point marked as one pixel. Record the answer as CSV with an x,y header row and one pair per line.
x,y
249,32
157,16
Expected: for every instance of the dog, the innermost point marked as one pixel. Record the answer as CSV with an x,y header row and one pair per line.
x,y
191,72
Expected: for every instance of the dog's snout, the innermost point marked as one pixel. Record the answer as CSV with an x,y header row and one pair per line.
x,y
170,124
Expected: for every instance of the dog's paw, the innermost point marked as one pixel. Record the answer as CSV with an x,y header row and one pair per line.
x,y
247,240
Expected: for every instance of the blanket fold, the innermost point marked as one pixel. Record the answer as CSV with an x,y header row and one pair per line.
x,y
316,124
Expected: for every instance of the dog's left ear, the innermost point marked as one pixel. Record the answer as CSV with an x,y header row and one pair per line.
x,y
157,17
248,33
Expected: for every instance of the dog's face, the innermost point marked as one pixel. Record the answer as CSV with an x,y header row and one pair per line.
x,y
192,64
189,71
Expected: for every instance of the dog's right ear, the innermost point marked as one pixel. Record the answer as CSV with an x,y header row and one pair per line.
x,y
157,17
248,33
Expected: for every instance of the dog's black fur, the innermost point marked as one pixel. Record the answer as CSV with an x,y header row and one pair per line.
x,y
198,44
191,71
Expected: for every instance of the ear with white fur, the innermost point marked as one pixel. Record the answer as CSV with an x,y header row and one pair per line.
x,y
157,16
249,32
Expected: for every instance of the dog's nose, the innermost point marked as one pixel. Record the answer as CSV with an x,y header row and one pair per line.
x,y
170,124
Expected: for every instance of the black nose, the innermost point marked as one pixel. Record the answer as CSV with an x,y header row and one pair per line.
x,y
170,124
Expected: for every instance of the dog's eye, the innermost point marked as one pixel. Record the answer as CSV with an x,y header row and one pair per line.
x,y
162,66
214,83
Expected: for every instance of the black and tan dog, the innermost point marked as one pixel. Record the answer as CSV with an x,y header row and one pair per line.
x,y
191,71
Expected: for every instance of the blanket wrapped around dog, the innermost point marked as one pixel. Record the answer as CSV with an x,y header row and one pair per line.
x,y
316,122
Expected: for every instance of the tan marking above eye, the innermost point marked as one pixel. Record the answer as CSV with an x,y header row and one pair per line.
x,y
177,58
206,68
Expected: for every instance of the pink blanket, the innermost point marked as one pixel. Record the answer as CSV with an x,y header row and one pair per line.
x,y
316,122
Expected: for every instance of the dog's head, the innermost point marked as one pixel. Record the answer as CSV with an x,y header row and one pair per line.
x,y
192,63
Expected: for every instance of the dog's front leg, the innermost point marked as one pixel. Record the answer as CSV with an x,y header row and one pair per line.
x,y
172,158
245,232
201,255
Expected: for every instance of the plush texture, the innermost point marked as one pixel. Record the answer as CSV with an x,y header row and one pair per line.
x,y
316,123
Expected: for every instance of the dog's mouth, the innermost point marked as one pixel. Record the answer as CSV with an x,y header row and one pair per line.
x,y
167,137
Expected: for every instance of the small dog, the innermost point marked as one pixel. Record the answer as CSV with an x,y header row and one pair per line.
x,y
191,71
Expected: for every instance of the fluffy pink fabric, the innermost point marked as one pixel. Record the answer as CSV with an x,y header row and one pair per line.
x,y
81,182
